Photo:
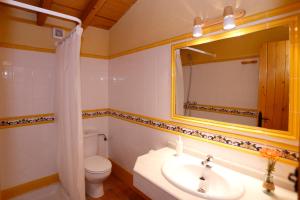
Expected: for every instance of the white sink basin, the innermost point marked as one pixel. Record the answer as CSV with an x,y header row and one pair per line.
x,y
220,183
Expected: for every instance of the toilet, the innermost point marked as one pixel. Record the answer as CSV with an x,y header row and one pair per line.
x,y
97,167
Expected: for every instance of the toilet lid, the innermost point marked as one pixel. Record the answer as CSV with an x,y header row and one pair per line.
x,y
97,164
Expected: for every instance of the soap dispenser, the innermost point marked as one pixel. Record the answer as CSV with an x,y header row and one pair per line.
x,y
179,146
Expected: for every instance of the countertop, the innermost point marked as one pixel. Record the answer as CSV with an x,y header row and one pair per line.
x,y
149,167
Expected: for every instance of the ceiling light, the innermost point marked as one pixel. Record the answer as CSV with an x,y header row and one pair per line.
x,y
229,21
197,29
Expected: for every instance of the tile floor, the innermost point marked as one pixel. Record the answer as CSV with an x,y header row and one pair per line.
x,y
51,192
115,189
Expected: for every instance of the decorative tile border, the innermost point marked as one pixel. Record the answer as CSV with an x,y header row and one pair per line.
x,y
95,113
163,125
26,120
168,126
245,112
29,120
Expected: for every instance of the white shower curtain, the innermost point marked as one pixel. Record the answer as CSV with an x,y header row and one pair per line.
x,y
68,116
179,85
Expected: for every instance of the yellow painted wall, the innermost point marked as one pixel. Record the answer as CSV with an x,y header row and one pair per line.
x,y
234,48
95,41
152,21
147,22
14,32
19,28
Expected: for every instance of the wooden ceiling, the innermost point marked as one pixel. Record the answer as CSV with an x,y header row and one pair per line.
x,y
99,13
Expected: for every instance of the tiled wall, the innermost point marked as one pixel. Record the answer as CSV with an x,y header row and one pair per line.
x,y
288,154
140,83
94,87
224,84
26,85
26,82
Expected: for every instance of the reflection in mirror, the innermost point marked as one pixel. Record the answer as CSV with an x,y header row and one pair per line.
x,y
242,80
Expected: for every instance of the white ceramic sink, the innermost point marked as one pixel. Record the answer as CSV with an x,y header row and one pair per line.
x,y
220,183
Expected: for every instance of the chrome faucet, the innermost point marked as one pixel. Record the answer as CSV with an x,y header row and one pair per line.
x,y
208,160
203,184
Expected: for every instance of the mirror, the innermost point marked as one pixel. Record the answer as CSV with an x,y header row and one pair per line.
x,y
242,79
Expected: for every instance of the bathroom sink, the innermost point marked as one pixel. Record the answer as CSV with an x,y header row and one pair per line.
x,y
187,173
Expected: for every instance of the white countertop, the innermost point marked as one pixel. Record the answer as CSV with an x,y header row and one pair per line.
x,y
149,167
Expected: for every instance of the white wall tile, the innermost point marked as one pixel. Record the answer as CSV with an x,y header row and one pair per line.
x,y
26,82
96,145
127,141
27,87
140,83
28,153
94,79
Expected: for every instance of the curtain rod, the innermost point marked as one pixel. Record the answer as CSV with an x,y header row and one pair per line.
x,y
41,10
200,51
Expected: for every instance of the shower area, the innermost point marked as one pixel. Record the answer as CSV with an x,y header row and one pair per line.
x,y
65,97
184,71
213,84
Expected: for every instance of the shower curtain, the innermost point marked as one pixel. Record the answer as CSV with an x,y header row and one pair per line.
x,y
68,116
179,85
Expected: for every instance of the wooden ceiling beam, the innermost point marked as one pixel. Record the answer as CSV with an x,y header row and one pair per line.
x,y
90,11
41,17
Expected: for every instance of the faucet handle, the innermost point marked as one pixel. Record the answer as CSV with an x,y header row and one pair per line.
x,y
209,158
206,162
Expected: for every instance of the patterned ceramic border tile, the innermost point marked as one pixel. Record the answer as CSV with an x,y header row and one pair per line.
x,y
95,113
29,120
163,125
246,112
26,120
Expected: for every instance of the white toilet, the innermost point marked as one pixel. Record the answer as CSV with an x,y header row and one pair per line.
x,y
97,168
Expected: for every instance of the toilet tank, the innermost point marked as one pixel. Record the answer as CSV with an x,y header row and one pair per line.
x,y
94,144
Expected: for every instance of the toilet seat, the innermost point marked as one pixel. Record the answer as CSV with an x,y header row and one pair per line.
x,y
97,164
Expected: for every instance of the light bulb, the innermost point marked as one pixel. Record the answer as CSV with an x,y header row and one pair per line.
x,y
197,31
197,28
229,21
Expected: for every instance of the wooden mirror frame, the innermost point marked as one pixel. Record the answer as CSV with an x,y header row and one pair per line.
x,y
245,131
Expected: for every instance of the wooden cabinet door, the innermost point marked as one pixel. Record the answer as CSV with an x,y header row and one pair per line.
x,y
273,102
